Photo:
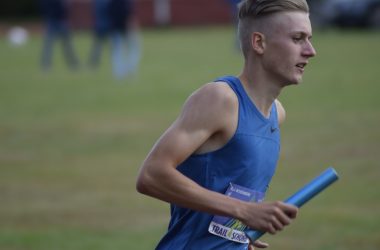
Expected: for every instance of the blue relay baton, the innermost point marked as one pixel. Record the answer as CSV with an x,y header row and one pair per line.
x,y
314,187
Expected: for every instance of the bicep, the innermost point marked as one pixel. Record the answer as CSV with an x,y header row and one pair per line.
x,y
177,143
158,176
199,120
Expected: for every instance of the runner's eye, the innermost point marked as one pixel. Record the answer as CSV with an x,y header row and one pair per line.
x,y
297,39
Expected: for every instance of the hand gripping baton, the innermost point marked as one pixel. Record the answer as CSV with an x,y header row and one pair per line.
x,y
314,187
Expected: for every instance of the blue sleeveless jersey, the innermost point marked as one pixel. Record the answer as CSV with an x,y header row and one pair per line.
x,y
249,159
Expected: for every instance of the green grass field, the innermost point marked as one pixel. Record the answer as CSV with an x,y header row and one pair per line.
x,y
71,143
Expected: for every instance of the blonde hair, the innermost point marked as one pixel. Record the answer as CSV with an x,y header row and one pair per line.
x,y
252,15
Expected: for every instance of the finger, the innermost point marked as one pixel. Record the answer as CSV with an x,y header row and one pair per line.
x,y
271,229
260,244
282,218
290,210
277,224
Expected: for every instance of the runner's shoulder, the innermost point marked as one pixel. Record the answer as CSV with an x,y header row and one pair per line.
x,y
217,95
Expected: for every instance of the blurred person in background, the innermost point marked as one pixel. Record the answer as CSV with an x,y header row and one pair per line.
x,y
120,12
134,50
220,154
55,15
114,19
101,30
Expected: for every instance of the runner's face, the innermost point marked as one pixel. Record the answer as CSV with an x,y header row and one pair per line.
x,y
288,47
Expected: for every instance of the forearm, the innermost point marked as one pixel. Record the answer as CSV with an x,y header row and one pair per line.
x,y
170,185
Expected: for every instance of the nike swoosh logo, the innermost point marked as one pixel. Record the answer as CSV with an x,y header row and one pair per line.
x,y
273,129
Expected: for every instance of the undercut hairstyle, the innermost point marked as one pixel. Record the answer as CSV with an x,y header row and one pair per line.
x,y
252,15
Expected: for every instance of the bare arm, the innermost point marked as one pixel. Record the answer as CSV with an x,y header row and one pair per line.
x,y
199,121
